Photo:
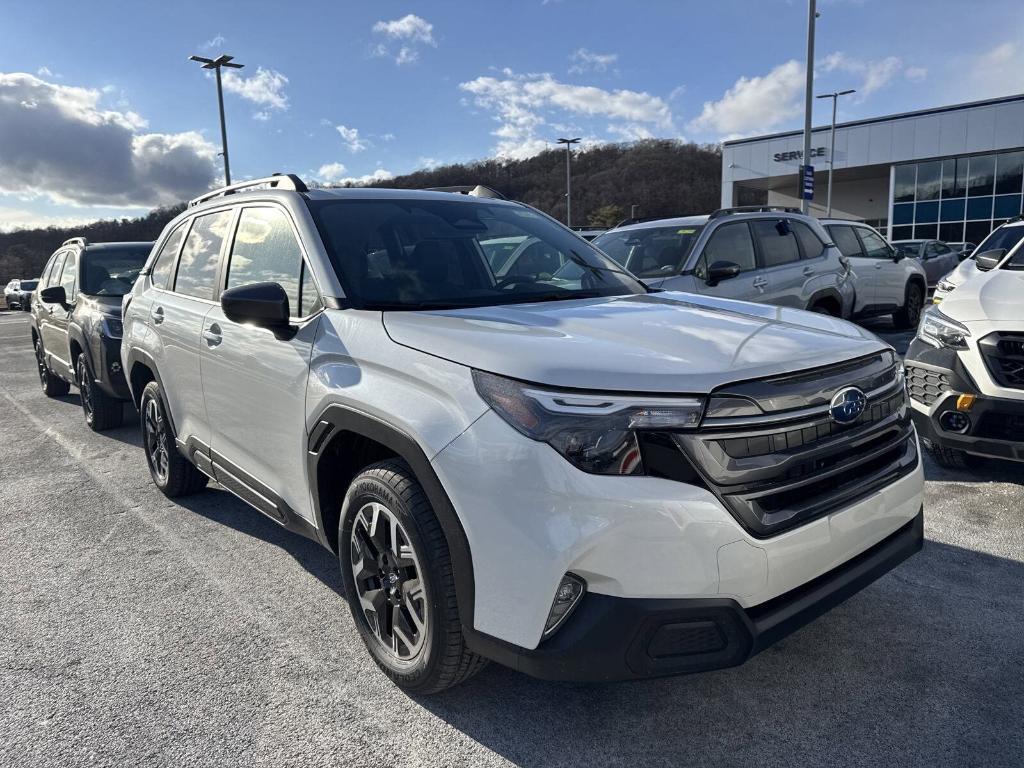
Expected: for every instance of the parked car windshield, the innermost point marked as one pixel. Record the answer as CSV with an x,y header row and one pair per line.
x,y
650,252
437,254
29,285
111,272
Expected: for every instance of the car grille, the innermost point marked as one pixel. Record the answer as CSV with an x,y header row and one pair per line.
x,y
926,386
1004,356
788,465
1001,426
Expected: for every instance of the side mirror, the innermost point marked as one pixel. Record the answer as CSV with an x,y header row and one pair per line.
x,y
989,259
55,294
722,270
264,305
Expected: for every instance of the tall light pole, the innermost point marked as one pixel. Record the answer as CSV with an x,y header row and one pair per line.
x,y
215,65
832,141
568,178
812,15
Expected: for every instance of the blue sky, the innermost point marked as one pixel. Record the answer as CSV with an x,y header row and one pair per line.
x,y
102,115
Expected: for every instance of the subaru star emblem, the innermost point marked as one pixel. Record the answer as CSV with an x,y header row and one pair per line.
x,y
847,405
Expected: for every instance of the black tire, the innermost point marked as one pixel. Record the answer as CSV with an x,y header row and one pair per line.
x,y
443,660
909,314
53,386
953,458
101,410
825,309
172,473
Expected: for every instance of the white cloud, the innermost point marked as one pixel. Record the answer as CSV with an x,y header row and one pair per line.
x,y
915,74
523,103
588,61
214,42
57,141
409,33
428,163
630,131
387,137
265,88
874,75
676,92
355,181
21,218
755,103
262,115
997,72
331,172
351,138
45,72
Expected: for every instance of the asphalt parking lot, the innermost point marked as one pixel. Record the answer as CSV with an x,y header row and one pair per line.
x,y
139,631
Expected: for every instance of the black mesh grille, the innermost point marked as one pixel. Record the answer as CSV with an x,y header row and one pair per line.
x,y
1004,355
926,386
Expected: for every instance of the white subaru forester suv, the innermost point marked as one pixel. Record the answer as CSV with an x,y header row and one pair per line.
x,y
571,474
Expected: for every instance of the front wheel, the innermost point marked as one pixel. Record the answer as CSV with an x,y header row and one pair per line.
x,y
172,473
101,410
910,314
52,386
399,581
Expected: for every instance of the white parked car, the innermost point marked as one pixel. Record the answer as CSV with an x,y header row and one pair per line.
x,y
999,248
885,280
573,475
965,369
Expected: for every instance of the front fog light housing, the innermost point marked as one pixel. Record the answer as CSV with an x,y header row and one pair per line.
x,y
955,421
567,597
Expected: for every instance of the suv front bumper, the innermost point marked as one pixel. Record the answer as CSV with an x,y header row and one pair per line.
x,y
611,638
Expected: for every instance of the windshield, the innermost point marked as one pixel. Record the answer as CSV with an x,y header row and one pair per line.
x,y
29,285
434,254
1004,239
111,272
650,252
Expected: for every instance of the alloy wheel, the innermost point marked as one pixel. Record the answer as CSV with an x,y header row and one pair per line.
x,y
155,440
388,581
85,389
41,364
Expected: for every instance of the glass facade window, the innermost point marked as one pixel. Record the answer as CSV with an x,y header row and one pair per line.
x,y
967,196
906,176
980,175
1009,173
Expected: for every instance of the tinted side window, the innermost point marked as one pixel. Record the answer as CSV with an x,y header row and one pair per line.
x,y
44,278
845,239
943,248
197,267
874,245
168,253
777,241
265,251
730,242
809,242
932,249
58,263
69,275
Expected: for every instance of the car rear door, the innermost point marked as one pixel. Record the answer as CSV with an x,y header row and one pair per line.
x,y
732,242
779,258
889,282
55,330
946,258
254,383
866,270
176,319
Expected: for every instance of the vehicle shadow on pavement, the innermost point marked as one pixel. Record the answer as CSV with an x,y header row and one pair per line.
x,y
922,668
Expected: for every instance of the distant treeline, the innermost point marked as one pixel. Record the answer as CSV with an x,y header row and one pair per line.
x,y
660,177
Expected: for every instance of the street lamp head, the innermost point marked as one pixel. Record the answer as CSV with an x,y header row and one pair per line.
x,y
843,93
567,142
221,61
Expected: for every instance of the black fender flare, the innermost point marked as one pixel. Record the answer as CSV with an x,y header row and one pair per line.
x,y
77,334
338,418
827,293
136,355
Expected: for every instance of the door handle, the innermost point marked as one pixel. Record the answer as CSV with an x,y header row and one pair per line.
x,y
760,282
808,271
213,336
157,315
878,265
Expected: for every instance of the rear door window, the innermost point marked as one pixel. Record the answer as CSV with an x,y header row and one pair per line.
x,y
200,256
54,277
810,244
845,239
777,242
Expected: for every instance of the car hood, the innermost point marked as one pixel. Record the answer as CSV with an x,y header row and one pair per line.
x,y
106,305
964,271
994,296
664,342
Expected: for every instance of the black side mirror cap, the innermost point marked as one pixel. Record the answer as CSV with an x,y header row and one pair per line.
x,y
722,270
989,259
264,305
55,294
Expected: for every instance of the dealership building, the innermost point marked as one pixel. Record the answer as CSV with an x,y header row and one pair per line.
x,y
951,173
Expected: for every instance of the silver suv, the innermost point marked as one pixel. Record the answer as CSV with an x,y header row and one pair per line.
x,y
763,254
562,471
888,282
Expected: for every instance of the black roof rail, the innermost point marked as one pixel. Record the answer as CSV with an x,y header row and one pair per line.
x,y
287,181
752,209
75,241
475,191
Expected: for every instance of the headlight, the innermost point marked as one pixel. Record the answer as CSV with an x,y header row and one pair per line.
x,y
946,285
942,331
112,327
594,431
